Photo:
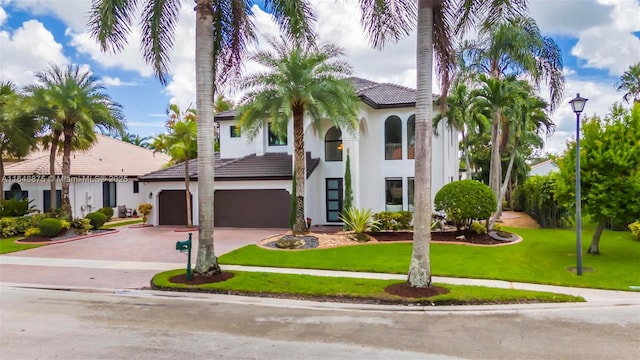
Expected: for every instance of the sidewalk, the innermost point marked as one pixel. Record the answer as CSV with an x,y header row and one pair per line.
x,y
609,297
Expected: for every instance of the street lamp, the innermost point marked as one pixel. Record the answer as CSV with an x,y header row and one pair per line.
x,y
577,104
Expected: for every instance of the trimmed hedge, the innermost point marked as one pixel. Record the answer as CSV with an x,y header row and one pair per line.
x,y
465,201
107,211
97,219
50,227
393,220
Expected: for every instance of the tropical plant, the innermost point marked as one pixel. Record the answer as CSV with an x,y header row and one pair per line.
x,y
609,163
393,220
223,30
358,220
437,21
72,99
635,229
81,226
16,207
630,83
136,139
518,49
299,80
538,199
222,104
17,126
181,144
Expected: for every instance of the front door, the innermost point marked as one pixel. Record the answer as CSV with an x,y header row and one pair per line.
x,y
334,199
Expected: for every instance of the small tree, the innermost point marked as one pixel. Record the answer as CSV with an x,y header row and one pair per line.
x,y
348,191
609,163
465,201
144,210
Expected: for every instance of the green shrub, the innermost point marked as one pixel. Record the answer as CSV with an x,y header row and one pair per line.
x,y
15,207
107,211
97,219
81,226
393,220
537,197
635,229
33,231
358,220
50,227
465,201
478,228
497,227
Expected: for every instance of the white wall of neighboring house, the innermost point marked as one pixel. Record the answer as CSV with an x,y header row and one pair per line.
x,y
543,168
85,193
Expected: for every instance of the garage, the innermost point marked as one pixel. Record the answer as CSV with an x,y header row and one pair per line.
x,y
252,208
172,207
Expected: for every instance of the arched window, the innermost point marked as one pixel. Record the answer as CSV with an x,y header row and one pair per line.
x,y
333,145
411,137
16,192
393,138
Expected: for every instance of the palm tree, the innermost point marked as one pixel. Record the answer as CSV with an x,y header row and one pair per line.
x,y
222,104
630,82
223,29
136,139
515,48
72,99
181,144
437,21
17,126
461,115
299,80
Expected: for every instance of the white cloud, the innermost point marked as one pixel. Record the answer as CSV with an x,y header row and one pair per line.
x,y
115,81
568,17
72,12
28,50
3,16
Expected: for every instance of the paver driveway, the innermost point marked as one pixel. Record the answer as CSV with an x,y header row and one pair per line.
x,y
126,259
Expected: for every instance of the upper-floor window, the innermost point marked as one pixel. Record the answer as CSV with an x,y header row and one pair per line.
x,y
393,138
136,187
275,138
411,137
333,145
234,131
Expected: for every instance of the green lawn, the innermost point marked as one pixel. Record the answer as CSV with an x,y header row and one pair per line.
x,y
8,245
121,223
310,286
543,257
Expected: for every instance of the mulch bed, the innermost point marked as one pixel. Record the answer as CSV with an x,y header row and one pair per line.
x,y
406,291
445,236
65,235
200,280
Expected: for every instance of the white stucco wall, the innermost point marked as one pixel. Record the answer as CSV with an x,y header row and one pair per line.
x,y
85,193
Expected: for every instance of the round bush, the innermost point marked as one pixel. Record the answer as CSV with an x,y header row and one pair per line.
x,y
464,201
50,227
97,219
107,211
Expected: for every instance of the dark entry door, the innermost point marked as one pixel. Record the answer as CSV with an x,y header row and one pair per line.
x,y
334,199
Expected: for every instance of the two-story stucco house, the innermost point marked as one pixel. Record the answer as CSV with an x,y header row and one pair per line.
x,y
253,178
106,175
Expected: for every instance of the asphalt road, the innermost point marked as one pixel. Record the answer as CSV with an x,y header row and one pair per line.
x,y
53,324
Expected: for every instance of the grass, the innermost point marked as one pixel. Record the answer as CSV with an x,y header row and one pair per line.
x,y
543,257
121,223
8,245
349,288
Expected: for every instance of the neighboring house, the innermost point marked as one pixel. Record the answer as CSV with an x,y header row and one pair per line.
x,y
544,168
104,176
253,178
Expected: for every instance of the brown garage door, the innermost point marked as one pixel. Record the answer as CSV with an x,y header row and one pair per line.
x,y
172,207
252,208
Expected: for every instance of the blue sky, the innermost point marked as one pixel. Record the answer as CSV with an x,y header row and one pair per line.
x,y
599,39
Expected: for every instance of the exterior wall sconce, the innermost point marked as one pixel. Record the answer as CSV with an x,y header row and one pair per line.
x,y
150,195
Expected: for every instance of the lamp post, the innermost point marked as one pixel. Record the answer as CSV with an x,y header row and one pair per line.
x,y
577,104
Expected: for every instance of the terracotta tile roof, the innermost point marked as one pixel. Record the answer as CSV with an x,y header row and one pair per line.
x,y
108,157
376,95
270,166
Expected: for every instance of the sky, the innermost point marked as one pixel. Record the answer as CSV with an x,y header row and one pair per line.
x,y
599,40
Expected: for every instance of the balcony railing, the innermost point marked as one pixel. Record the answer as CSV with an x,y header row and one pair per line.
x,y
393,151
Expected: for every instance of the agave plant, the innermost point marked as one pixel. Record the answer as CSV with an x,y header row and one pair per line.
x,y
358,220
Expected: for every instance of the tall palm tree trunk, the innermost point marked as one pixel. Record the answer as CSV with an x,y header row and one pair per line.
x,y
65,209
53,198
187,192
467,161
300,227
503,188
2,176
206,260
495,170
420,267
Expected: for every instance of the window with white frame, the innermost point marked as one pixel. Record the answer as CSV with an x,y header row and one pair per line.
x,y
393,138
